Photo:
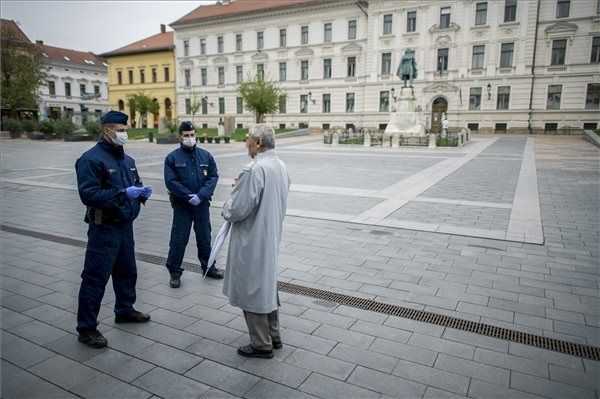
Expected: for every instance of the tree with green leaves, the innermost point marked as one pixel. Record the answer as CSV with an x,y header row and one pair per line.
x,y
144,105
22,74
260,96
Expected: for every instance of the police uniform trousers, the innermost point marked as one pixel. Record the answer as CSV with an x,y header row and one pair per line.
x,y
110,251
183,218
263,329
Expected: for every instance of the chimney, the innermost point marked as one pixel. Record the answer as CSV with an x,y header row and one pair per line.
x,y
40,42
163,28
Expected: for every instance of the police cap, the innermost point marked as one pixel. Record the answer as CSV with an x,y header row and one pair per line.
x,y
186,126
114,117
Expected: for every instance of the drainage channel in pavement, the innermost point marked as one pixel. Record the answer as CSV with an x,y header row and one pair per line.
x,y
324,296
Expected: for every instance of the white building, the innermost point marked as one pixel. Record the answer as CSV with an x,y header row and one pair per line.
x,y
76,84
496,65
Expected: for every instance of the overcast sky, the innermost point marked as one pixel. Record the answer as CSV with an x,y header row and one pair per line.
x,y
97,25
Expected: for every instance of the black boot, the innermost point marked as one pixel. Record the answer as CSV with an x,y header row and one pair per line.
x,y
175,281
250,351
215,273
92,338
133,317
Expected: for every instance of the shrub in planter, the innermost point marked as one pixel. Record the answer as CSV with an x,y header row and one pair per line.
x,y
13,126
94,128
63,127
209,139
217,140
202,139
28,125
80,134
227,138
47,127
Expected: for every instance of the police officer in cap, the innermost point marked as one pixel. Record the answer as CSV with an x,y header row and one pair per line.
x,y
191,177
111,189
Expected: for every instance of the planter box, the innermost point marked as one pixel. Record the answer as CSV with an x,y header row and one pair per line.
x,y
209,139
79,137
167,140
217,140
227,139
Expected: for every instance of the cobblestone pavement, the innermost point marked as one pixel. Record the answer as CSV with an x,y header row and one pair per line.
x,y
330,351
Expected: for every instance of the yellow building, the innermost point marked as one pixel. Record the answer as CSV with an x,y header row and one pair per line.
x,y
146,66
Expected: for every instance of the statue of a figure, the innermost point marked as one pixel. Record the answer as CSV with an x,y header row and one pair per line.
x,y
407,70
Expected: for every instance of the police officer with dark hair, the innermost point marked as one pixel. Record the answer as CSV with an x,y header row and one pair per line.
x,y
110,187
191,177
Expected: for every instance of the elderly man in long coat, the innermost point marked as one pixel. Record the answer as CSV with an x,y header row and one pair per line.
x,y
256,211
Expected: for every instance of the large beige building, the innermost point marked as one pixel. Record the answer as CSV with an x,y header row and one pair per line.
x,y
498,65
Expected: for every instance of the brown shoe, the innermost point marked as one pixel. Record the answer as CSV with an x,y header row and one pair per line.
x,y
133,317
250,351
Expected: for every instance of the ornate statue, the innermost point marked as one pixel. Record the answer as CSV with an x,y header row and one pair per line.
x,y
407,70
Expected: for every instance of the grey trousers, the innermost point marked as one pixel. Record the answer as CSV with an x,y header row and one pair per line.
x,y
263,329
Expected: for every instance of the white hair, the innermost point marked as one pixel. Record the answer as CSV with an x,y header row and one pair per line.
x,y
263,134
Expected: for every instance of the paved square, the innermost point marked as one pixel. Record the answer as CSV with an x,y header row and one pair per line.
x,y
504,231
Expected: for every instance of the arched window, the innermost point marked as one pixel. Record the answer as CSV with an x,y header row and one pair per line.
x,y
121,105
168,109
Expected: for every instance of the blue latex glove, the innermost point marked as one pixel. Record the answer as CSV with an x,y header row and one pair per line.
x,y
134,192
147,192
194,200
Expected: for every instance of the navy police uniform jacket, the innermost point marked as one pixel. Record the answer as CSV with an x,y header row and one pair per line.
x,y
103,174
190,171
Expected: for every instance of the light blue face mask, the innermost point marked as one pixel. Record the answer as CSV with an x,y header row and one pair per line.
x,y
188,141
121,138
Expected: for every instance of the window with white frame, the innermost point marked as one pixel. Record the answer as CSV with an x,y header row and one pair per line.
x,y
304,34
475,99
282,104
444,17
303,103
553,97
238,42
595,56
351,67
481,13
352,29
349,102
204,104
563,8
386,64
203,77
187,74
260,40
510,10
304,70
327,32
503,100
506,55
221,105
282,71
478,56
326,103
239,105
442,60
186,48
327,68
260,71
384,101
202,46
239,73
51,88
221,71
559,50
282,37
387,24
220,44
411,21
188,106
592,96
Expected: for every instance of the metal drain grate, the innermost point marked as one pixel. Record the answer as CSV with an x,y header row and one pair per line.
x,y
570,348
328,297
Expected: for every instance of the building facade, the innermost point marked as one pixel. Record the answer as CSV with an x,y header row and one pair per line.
x,y
493,66
146,66
76,84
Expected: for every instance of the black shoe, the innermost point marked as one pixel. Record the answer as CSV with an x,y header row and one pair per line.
x,y
175,281
277,343
133,317
93,339
250,351
215,273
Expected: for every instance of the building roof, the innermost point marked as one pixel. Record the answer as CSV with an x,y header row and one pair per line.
x,y
10,30
237,7
63,55
160,42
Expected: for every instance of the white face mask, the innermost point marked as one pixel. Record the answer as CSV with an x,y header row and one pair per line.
x,y
189,141
121,138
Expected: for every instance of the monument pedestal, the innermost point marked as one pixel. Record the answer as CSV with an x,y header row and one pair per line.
x,y
403,121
